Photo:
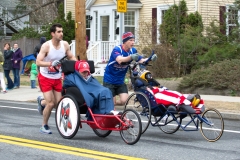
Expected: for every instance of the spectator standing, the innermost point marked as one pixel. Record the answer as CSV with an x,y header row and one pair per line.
x,y
33,75
115,71
7,65
49,79
38,47
16,60
2,81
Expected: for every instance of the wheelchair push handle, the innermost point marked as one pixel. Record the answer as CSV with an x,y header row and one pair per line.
x,y
149,58
61,60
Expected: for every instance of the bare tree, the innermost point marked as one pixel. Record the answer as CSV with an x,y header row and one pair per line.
x,y
41,12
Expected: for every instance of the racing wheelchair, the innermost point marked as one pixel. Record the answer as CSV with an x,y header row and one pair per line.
x,y
169,118
72,111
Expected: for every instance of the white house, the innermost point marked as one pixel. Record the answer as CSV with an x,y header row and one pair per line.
x,y
104,23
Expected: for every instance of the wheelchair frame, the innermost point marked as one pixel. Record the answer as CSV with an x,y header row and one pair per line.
x,y
68,119
169,121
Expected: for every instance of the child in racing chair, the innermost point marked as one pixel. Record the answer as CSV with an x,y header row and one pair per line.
x,y
189,103
90,91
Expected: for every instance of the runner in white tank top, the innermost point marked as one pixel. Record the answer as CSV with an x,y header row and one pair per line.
x,y
53,54
50,81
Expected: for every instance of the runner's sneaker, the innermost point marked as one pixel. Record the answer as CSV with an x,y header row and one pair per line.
x,y
45,129
40,107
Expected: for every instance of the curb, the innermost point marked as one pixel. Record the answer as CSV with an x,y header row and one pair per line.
x,y
230,116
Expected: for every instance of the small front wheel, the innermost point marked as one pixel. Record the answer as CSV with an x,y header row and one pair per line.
x,y
102,133
132,132
212,125
169,123
139,102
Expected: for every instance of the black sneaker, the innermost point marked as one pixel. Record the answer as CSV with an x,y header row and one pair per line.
x,y
110,113
119,113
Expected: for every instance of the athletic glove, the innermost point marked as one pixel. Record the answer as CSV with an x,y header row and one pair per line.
x,y
154,57
134,56
55,63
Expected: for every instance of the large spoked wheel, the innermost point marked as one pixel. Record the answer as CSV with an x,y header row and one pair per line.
x,y
67,117
212,125
132,132
102,133
169,123
139,102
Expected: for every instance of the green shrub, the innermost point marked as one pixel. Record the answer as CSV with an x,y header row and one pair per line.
x,y
220,76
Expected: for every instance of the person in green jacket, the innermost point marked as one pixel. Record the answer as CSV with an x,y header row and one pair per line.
x,y
33,75
2,81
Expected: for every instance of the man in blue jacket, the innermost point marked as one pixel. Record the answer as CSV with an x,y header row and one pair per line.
x,y
115,71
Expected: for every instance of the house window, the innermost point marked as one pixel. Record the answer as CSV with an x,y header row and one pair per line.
x,y
161,11
129,22
96,26
88,26
232,18
116,29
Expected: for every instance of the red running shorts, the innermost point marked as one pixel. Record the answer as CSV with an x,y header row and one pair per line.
x,y
47,84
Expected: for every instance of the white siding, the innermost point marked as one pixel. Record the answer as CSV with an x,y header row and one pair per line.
x,y
146,11
99,2
210,9
70,7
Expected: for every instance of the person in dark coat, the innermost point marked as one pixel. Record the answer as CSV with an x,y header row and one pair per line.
x,y
38,47
16,60
7,65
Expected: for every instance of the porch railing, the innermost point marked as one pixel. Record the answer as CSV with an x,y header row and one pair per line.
x,y
98,51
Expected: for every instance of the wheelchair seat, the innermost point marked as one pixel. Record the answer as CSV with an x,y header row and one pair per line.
x,y
68,66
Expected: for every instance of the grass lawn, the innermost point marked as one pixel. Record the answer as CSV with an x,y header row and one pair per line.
x,y
25,80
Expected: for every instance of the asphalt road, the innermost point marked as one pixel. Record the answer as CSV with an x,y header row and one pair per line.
x,y
21,120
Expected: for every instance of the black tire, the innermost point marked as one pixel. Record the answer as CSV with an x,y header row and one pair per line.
x,y
136,101
213,125
102,133
67,117
169,124
133,131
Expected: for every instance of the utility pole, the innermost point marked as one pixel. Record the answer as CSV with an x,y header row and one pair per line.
x,y
80,30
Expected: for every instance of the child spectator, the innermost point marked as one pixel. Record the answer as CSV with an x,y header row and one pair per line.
x,y
33,75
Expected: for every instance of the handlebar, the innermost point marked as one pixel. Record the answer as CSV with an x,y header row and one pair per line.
x,y
145,63
61,60
149,58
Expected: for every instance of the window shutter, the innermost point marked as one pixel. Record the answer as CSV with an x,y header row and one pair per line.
x,y
154,25
222,19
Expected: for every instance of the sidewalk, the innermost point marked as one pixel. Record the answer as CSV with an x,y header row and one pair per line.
x,y
26,94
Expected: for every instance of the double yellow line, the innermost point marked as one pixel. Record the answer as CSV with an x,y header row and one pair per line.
x,y
63,149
